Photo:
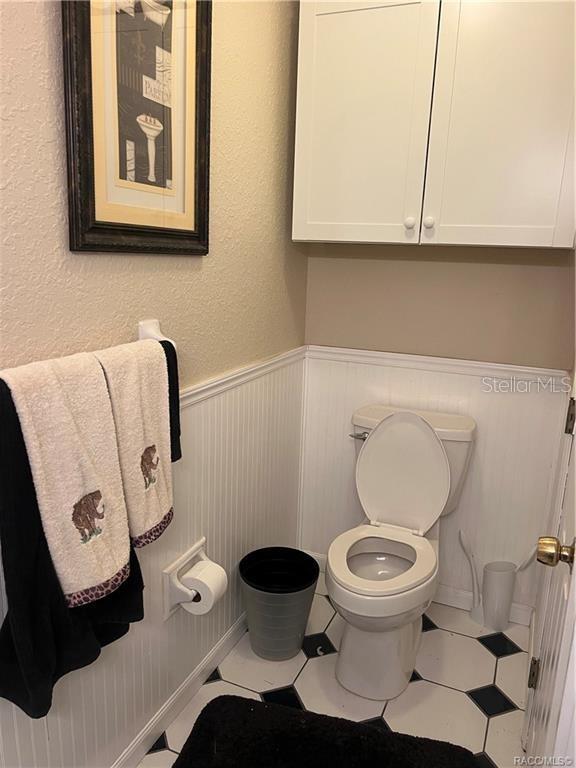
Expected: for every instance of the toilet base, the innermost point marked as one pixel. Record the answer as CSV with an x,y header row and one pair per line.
x,y
378,665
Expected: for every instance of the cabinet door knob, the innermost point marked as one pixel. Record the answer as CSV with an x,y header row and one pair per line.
x,y
410,222
428,222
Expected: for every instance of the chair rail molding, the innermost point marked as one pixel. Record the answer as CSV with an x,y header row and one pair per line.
x,y
436,364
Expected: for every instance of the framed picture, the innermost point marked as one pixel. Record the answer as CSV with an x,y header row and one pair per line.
x,y
137,91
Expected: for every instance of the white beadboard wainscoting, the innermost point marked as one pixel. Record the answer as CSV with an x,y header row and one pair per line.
x,y
507,494
237,484
267,460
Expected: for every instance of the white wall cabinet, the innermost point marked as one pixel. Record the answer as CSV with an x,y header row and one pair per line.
x,y
421,123
365,73
501,117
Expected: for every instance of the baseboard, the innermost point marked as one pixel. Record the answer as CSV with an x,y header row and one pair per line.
x,y
461,598
137,749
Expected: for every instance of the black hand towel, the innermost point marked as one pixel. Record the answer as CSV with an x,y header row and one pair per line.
x,y
173,398
41,639
232,732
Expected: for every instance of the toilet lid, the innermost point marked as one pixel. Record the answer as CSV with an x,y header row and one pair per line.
x,y
402,473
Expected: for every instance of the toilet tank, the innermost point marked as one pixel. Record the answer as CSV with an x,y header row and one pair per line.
x,y
455,431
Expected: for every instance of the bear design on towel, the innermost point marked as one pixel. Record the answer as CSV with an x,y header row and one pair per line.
x,y
85,513
149,466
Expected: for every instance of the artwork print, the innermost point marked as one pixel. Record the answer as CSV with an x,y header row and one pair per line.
x,y
144,92
137,77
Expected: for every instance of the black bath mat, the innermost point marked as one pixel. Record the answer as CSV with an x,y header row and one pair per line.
x,y
232,732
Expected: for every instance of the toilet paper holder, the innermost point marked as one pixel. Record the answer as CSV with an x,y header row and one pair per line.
x,y
174,592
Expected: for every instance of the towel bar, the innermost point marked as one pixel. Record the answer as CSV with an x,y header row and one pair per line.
x,y
150,329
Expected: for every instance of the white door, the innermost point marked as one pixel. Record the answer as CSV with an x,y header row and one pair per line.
x,y
549,720
365,73
500,160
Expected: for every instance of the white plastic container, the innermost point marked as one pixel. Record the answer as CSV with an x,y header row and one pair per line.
x,y
497,591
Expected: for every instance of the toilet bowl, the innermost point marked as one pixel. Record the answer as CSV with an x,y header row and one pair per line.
x,y
381,576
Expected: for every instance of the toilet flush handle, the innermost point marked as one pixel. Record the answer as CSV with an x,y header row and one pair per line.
x,y
359,435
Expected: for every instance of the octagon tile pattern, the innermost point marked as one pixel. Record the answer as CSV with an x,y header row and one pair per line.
x,y
320,615
455,660
425,709
503,739
335,630
244,668
469,685
286,696
491,701
179,730
321,692
455,620
512,677
520,635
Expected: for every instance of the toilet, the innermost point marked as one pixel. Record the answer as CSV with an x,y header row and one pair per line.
x,y
382,575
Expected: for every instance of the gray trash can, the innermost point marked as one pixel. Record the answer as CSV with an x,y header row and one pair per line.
x,y
278,586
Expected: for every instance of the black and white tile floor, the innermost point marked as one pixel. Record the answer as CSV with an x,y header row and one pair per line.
x,y
468,688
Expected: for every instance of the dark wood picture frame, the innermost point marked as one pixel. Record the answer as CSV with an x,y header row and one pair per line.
x,y
86,232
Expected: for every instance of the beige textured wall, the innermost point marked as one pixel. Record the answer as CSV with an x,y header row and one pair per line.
x,y
242,302
245,300
498,305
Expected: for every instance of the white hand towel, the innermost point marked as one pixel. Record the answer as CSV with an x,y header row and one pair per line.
x,y
137,379
67,424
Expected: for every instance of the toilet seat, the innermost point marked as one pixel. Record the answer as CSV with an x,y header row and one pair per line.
x,y
423,568
403,483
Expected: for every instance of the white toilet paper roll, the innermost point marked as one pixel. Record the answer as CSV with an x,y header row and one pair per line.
x,y
209,581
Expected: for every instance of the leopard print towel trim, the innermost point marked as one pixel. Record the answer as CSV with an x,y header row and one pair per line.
x,y
89,595
155,532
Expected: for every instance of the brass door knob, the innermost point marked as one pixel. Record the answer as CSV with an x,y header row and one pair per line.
x,y
551,552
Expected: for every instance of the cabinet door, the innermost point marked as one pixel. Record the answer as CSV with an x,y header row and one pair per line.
x,y
365,72
499,161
